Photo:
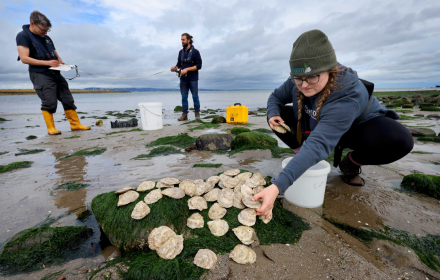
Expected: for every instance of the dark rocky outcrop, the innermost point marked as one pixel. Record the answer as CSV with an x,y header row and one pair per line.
x,y
218,119
214,142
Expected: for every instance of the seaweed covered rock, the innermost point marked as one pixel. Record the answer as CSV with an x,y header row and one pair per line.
x,y
178,109
238,130
218,119
29,249
421,183
214,142
253,140
421,131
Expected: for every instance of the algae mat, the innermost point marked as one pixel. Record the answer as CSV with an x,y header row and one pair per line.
x,y
285,228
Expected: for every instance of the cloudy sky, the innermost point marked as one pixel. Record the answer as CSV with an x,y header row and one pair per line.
x,y
244,44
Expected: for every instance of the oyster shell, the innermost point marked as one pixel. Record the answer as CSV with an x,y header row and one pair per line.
x,y
226,198
171,248
216,212
237,203
124,190
212,195
190,189
258,189
214,179
223,176
145,186
185,183
200,187
263,218
254,182
127,198
220,184
159,236
161,185
285,126
140,210
175,193
243,255
170,181
195,221
153,196
209,185
248,201
247,217
232,172
247,191
218,227
205,258
230,183
258,176
197,203
279,128
244,176
245,234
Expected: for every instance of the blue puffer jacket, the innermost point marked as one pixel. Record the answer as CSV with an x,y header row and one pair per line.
x,y
338,113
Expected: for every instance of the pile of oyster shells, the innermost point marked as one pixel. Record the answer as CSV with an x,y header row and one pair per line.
x,y
237,190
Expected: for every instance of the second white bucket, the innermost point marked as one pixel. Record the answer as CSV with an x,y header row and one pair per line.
x,y
151,115
309,189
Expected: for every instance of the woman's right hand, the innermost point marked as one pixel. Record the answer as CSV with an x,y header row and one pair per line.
x,y
274,121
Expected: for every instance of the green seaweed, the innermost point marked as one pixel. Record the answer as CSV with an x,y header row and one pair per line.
x,y
178,109
124,131
406,106
159,151
262,130
420,152
28,250
71,186
204,126
287,228
29,152
85,215
2,153
54,275
4,120
93,151
218,120
431,109
421,183
431,139
31,137
238,130
403,111
15,165
407,118
72,137
427,247
211,117
213,165
181,140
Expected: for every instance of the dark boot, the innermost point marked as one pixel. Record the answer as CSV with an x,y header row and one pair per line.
x,y
184,117
351,172
197,115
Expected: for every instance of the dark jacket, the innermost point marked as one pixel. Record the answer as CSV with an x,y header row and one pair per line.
x,y
338,112
196,60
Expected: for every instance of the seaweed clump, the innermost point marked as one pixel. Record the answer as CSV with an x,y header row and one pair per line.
x,y
2,153
29,249
238,130
124,131
123,231
421,183
72,137
427,248
431,109
212,165
181,140
159,151
94,151
178,109
202,125
15,165
431,139
262,130
31,137
257,141
29,152
71,186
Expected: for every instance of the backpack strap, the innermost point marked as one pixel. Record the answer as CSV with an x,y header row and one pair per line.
x,y
370,88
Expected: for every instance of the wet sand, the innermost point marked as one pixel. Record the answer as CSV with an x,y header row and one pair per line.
x,y
324,252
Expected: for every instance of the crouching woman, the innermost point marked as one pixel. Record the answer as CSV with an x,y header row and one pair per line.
x,y
331,109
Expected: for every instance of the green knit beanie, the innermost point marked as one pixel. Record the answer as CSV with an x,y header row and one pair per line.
x,y
312,53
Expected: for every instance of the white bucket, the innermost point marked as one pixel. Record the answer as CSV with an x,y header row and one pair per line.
x,y
309,189
151,115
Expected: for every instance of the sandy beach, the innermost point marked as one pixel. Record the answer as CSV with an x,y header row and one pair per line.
x,y
324,252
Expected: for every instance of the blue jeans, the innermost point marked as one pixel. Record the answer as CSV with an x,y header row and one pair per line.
x,y
184,88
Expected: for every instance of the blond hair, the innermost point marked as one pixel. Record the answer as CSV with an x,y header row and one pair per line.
x,y
323,95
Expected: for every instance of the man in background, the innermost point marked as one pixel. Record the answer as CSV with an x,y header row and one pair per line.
x,y
190,62
37,50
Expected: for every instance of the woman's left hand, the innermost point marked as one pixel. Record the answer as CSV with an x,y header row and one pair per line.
x,y
268,195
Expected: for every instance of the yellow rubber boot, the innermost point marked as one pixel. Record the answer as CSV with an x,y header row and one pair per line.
x,y
75,124
48,118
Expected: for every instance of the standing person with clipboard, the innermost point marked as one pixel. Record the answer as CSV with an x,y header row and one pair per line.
x,y
332,109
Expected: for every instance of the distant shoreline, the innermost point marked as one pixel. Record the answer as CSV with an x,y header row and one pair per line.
x,y
32,92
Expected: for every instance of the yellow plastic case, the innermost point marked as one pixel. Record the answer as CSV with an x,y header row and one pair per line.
x,y
237,114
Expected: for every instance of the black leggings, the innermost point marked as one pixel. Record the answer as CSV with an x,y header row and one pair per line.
x,y
380,140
